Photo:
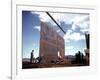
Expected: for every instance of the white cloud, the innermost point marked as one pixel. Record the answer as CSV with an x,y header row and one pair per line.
x,y
43,16
73,36
73,26
80,22
80,18
69,47
57,16
37,28
58,30
85,30
76,36
67,35
77,20
84,24
69,32
65,17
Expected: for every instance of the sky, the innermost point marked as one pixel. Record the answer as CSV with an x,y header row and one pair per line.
x,y
74,24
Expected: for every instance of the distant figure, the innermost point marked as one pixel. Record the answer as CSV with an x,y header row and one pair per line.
x,y
79,57
32,56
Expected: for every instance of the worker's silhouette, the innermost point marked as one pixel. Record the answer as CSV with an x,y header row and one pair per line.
x,y
32,56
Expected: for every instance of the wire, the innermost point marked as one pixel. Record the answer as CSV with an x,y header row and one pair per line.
x,y
55,22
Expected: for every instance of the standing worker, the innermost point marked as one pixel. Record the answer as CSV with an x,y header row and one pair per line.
x,y
32,56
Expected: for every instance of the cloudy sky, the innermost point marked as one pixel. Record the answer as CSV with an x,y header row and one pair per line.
x,y
74,24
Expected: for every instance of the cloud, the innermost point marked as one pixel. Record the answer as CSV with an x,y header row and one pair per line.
x,y
76,36
80,18
71,21
64,17
37,28
73,36
74,26
85,30
58,30
84,24
81,22
75,20
69,47
42,15
67,34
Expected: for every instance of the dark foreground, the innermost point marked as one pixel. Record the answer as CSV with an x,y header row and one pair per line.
x,y
28,65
